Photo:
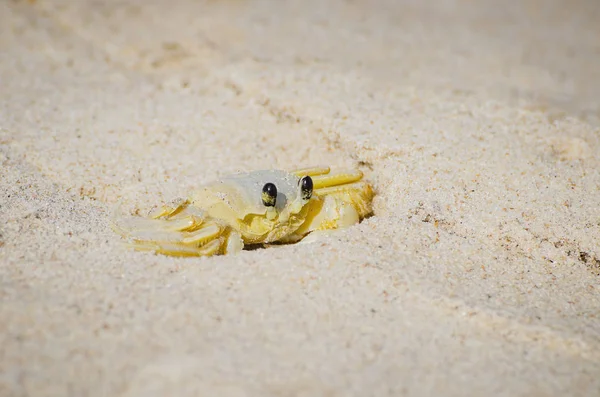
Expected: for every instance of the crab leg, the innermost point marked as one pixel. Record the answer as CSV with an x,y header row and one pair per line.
x,y
358,194
208,249
336,179
311,171
168,210
183,230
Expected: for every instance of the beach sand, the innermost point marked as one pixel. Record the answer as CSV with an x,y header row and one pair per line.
x,y
478,124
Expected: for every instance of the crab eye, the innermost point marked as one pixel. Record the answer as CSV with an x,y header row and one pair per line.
x,y
269,195
306,187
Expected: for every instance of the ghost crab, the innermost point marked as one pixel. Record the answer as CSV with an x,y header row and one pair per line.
x,y
259,207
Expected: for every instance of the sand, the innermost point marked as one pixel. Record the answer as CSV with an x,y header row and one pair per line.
x,y
478,124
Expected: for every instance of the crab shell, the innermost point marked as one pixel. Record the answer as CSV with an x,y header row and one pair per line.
x,y
224,216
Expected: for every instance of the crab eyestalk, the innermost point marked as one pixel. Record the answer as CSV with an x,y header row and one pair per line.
x,y
305,185
269,199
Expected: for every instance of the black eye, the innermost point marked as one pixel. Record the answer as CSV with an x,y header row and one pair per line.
x,y
306,187
269,195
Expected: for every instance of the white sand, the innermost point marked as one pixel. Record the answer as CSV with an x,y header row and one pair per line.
x,y
477,122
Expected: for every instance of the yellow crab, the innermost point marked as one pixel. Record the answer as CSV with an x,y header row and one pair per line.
x,y
259,207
